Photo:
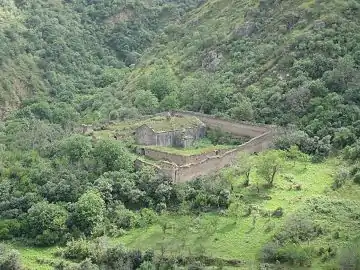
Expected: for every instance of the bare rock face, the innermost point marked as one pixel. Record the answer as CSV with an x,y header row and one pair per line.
x,y
245,30
212,60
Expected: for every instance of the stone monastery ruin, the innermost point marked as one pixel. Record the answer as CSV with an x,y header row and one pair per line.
x,y
181,129
175,131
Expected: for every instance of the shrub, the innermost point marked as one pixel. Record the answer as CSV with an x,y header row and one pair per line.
x,y
9,228
147,217
147,266
296,229
196,266
78,250
340,178
349,257
269,252
296,255
88,265
9,259
124,218
357,178
292,254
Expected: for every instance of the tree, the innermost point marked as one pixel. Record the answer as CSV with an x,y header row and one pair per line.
x,y
269,164
112,156
294,154
162,82
243,167
76,147
46,223
146,102
89,212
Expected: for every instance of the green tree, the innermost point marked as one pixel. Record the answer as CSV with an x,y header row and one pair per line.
x,y
146,102
76,147
111,155
269,164
89,212
244,165
46,223
161,83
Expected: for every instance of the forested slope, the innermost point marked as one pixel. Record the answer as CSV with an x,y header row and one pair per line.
x,y
57,51
282,62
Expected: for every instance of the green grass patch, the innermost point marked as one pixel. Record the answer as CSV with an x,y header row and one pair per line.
x,y
236,235
191,150
36,258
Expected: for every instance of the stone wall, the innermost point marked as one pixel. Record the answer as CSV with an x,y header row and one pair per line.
x,y
233,127
179,159
208,163
144,135
213,164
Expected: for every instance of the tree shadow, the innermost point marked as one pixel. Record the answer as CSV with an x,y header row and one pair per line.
x,y
256,193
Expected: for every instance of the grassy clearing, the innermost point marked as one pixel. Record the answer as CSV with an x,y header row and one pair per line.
x,y
235,236
190,151
32,257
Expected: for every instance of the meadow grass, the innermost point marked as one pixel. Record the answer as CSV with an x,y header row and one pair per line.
x,y
191,150
235,236
32,257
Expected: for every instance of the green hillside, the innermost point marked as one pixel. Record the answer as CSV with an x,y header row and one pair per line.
x,y
283,62
75,202
59,52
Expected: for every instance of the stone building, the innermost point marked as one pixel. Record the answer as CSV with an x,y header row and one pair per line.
x,y
177,131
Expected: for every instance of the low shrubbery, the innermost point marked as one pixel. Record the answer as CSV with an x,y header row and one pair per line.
x,y
288,243
9,259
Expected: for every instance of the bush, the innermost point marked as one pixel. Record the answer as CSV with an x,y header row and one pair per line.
x,y
269,252
357,178
292,254
340,178
196,266
123,218
349,257
9,259
147,266
296,229
296,255
147,217
78,250
9,228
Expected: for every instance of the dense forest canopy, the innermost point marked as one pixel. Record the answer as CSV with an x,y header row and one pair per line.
x,y
64,63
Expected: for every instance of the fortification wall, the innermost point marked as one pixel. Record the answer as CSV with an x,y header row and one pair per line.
x,y
184,168
160,155
236,128
214,163
164,167
181,159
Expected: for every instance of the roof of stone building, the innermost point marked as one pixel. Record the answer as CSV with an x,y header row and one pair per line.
x,y
163,124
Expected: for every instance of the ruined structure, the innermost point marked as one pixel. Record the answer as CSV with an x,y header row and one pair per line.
x,y
178,131
184,168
